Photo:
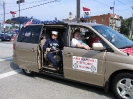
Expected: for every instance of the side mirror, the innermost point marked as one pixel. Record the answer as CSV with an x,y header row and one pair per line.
x,y
98,46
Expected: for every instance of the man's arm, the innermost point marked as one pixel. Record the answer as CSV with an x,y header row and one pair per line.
x,y
83,46
79,45
75,43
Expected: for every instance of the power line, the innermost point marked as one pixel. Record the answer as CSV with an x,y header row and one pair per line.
x,y
109,6
26,3
35,6
35,1
10,3
101,3
123,3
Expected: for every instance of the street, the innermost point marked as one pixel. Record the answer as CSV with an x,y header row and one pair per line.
x,y
15,85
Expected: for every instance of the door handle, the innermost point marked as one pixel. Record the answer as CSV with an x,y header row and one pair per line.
x,y
68,54
32,49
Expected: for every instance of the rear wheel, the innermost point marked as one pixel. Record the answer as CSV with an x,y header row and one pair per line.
x,y
123,86
0,40
28,72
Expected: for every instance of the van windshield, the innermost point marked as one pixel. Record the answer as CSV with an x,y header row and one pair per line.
x,y
117,39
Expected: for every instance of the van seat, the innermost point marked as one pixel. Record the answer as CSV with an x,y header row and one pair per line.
x,y
44,39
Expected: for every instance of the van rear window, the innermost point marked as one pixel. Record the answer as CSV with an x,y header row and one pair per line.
x,y
30,34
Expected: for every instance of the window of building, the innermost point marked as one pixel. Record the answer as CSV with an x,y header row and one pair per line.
x,y
94,21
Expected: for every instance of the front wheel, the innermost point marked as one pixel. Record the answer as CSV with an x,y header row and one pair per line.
x,y
28,72
123,86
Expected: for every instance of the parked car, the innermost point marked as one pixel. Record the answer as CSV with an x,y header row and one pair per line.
x,y
108,64
0,37
4,37
11,34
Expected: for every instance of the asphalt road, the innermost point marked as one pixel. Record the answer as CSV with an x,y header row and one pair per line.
x,y
15,85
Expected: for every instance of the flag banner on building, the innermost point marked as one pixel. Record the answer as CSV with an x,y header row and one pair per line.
x,y
29,22
86,12
13,13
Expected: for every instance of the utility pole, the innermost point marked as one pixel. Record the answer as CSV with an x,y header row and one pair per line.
x,y
19,8
132,23
4,16
112,8
113,19
113,16
78,11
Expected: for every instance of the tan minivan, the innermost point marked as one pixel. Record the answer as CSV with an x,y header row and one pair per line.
x,y
108,64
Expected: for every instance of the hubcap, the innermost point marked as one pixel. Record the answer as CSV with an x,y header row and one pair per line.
x,y
125,88
27,71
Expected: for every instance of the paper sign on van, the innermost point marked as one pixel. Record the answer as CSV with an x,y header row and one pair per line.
x,y
85,64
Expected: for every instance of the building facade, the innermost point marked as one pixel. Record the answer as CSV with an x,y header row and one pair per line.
x,y
111,20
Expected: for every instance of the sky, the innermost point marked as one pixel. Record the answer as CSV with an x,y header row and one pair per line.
x,y
62,8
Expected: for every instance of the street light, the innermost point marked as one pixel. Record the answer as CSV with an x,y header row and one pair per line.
x,y
18,2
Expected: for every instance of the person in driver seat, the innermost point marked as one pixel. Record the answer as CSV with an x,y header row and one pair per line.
x,y
77,42
53,46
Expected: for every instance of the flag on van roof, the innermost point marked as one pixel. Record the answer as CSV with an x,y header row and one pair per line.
x,y
29,22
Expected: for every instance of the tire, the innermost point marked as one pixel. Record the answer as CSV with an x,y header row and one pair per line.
x,y
28,72
123,86
0,40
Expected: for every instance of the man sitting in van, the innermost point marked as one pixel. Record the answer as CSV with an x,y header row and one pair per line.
x,y
77,42
53,46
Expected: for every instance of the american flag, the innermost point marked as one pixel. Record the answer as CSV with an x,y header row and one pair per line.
x,y
29,22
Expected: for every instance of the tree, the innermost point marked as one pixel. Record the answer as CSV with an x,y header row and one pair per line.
x,y
7,28
14,27
125,25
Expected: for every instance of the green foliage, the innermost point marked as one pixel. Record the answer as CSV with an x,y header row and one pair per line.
x,y
125,25
7,27
14,27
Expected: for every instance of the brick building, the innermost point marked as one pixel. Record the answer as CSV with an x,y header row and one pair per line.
x,y
107,19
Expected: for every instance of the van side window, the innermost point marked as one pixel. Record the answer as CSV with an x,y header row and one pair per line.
x,y
82,34
87,36
30,34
